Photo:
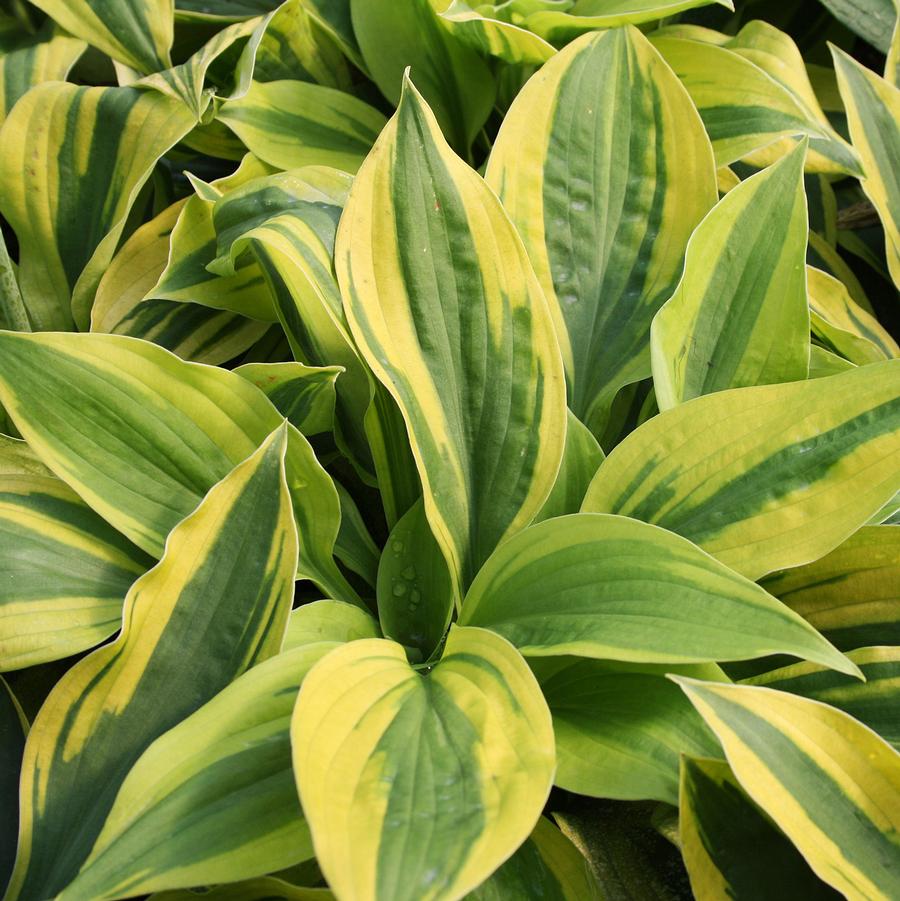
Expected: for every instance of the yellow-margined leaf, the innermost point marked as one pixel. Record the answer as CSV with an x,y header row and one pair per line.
x,y
45,56
873,116
64,572
875,702
610,587
739,315
418,786
328,621
829,783
446,309
293,123
138,33
585,164
224,775
763,478
215,605
266,889
189,330
142,436
494,37
851,595
731,849
82,149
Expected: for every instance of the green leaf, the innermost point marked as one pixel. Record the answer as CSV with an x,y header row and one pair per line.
x,y
547,865
304,395
138,33
13,729
610,587
454,80
875,702
494,37
849,595
872,20
64,572
873,116
267,889
585,165
46,56
189,330
620,731
739,315
447,312
590,15
333,621
420,786
215,605
152,434
292,123
763,478
73,165
224,776
724,837
415,592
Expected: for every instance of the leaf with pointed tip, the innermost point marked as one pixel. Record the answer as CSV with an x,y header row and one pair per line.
x,y
609,587
739,315
417,787
763,478
216,605
446,310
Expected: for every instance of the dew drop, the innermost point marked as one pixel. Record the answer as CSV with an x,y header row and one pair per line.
x,y
399,589
409,573
397,546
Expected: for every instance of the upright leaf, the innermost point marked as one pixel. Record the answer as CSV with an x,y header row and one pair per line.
x,y
829,783
13,729
64,572
446,309
224,776
763,478
610,587
739,315
417,787
600,153
216,604
76,165
873,116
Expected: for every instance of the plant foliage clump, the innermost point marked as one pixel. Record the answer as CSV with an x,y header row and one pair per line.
x,y
449,450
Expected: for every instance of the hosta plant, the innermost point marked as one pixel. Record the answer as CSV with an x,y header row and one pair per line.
x,y
449,450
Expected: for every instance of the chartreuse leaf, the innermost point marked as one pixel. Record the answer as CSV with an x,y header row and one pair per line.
x,y
455,81
739,315
719,825
216,605
152,434
64,572
604,586
844,326
850,595
304,395
333,621
294,123
824,363
420,786
620,730
873,116
547,865
584,164
829,783
189,330
224,776
875,702
415,591
743,107
138,33
494,37
446,309
763,478
83,148
590,15
581,457
45,56
13,729
193,247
